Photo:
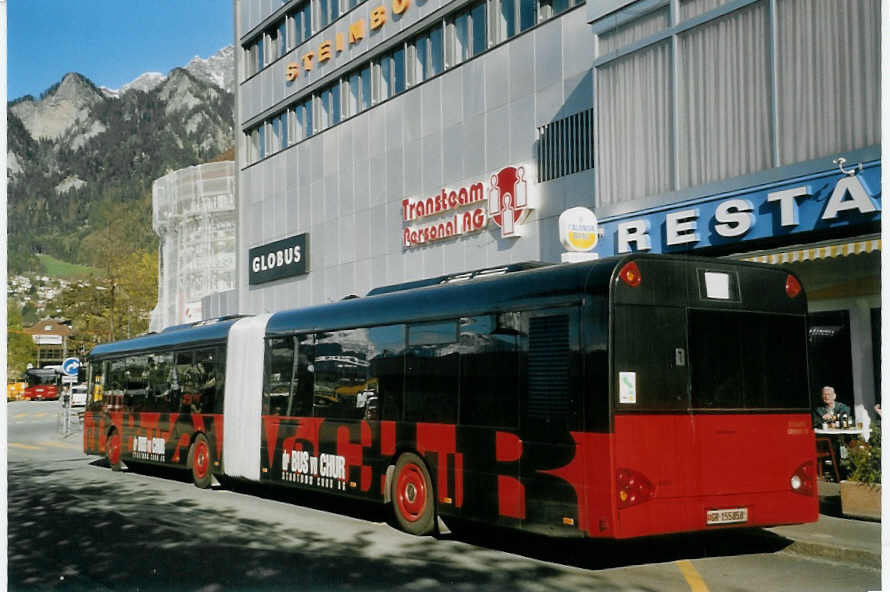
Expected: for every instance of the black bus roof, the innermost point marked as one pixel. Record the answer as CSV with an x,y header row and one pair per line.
x,y
485,293
513,287
204,332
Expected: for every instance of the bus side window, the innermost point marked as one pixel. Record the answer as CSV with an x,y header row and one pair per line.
x,y
431,372
341,374
136,385
116,377
160,368
180,380
489,370
278,375
97,382
220,382
300,403
204,378
387,355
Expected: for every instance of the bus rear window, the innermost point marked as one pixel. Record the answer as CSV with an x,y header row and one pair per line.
x,y
744,360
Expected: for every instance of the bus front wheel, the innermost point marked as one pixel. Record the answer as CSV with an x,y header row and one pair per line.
x,y
413,498
113,450
199,462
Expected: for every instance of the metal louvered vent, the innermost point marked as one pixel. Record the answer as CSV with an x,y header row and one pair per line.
x,y
565,146
548,367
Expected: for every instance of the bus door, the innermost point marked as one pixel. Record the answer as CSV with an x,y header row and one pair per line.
x,y
550,419
287,405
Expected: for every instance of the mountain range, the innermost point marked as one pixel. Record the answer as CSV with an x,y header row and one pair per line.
x,y
79,146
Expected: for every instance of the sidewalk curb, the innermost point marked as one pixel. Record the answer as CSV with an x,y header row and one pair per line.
x,y
861,557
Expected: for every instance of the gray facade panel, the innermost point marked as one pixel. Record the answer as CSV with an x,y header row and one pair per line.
x,y
522,137
395,179
431,155
497,133
452,87
548,54
413,172
330,198
394,123
497,77
411,111
363,231
431,105
578,50
378,180
453,152
548,103
473,87
378,239
362,184
522,73
474,146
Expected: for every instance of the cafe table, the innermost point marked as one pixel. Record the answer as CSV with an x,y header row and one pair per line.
x,y
841,435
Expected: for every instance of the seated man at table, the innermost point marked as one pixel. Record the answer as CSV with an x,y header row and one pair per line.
x,y
832,409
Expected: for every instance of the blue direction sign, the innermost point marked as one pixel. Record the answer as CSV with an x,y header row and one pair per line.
x,y
70,366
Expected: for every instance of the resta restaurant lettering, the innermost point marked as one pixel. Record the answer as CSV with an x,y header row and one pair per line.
x,y
276,259
356,33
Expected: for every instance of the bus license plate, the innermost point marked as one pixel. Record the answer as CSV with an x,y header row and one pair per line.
x,y
728,516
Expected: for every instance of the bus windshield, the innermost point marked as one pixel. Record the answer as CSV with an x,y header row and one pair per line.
x,y
40,377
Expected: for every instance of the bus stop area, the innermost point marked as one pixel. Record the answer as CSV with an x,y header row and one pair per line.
x,y
833,536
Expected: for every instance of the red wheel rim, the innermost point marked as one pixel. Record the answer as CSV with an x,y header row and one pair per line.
x,y
411,492
201,461
113,448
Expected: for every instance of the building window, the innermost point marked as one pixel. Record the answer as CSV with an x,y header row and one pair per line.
x,y
427,51
253,57
828,77
299,25
634,120
738,93
358,93
398,70
328,10
281,30
256,143
565,146
634,30
329,106
272,46
724,120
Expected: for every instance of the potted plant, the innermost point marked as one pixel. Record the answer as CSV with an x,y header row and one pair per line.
x,y
861,491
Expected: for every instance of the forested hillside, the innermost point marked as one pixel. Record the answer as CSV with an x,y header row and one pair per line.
x,y
77,152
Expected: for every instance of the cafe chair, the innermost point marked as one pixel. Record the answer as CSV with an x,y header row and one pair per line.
x,y
825,452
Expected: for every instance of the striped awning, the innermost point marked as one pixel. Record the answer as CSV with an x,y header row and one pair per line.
x,y
814,252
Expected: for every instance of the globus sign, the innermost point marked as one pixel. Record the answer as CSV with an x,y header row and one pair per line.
x,y
280,259
826,200
506,197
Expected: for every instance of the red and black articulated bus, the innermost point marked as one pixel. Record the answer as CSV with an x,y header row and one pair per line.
x,y
623,397
42,384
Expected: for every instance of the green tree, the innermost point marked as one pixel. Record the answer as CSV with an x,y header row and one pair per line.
x,y
20,348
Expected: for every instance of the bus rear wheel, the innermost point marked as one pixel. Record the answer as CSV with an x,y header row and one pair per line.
x,y
199,462
113,450
413,498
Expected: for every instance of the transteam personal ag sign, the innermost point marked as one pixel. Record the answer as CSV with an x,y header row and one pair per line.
x,y
283,258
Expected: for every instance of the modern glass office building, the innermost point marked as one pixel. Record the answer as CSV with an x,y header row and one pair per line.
x,y
389,141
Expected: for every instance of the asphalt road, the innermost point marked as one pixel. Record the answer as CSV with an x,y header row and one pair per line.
x,y
76,525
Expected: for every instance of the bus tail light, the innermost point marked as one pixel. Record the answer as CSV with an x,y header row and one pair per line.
x,y
630,274
633,488
792,286
803,479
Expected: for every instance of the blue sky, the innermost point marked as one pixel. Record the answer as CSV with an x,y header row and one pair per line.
x,y
111,42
